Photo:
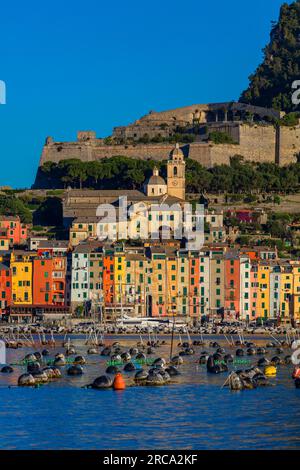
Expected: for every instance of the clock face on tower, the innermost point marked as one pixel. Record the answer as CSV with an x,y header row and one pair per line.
x,y
174,183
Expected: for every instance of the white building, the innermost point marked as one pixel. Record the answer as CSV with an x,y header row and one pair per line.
x,y
245,287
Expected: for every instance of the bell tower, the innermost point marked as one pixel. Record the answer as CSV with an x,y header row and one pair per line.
x,y
176,174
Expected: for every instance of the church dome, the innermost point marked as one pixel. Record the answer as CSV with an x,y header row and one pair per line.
x,y
156,185
155,179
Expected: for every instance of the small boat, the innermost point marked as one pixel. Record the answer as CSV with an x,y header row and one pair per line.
x,y
142,322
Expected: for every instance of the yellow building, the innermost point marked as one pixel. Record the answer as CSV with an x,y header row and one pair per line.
x,y
263,280
21,271
83,228
159,281
296,292
286,294
138,279
119,276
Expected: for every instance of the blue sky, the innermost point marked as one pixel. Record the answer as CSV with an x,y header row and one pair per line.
x,y
77,65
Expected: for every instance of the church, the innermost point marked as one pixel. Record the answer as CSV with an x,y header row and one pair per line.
x,y
157,207
175,186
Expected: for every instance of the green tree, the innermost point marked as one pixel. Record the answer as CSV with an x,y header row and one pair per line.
x,y
270,85
12,205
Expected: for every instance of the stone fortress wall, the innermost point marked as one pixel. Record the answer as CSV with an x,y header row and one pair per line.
x,y
256,141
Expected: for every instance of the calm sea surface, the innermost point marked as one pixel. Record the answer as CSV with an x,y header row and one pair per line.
x,y
193,413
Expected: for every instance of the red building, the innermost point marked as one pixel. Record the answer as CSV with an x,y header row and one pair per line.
x,y
232,283
49,281
16,231
5,288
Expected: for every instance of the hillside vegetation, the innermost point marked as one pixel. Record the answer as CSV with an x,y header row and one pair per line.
x,y
126,173
271,84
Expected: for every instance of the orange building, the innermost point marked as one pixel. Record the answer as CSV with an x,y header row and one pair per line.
x,y
5,288
232,283
16,231
108,278
49,281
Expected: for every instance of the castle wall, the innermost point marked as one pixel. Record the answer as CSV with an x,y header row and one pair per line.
x,y
57,151
289,144
257,143
88,151
201,153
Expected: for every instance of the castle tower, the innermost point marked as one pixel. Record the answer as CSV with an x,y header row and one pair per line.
x,y
176,174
